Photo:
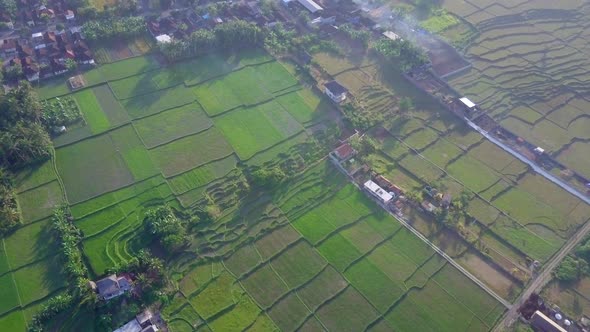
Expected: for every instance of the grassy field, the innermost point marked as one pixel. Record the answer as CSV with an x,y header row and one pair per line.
x,y
236,89
81,163
93,114
186,153
169,125
253,129
128,67
142,106
40,202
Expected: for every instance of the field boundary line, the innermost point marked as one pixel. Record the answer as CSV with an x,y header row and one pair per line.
x,y
151,147
20,301
57,175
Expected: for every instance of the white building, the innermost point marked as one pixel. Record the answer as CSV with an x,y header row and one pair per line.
x,y
467,103
310,5
391,35
378,192
163,39
335,91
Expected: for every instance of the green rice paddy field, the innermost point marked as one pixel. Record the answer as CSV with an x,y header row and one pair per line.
x,y
531,72
518,215
310,254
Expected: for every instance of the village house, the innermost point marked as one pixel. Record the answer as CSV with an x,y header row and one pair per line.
x,y
344,152
8,48
143,322
111,286
335,91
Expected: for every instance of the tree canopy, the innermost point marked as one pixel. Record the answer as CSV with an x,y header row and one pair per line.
x,y
571,269
228,36
9,7
168,229
401,53
120,27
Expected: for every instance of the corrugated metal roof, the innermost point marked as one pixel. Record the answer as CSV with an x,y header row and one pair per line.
x,y
310,5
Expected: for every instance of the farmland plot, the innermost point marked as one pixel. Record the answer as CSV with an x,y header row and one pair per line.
x,y
40,202
34,176
251,130
91,167
239,88
189,152
298,264
142,106
264,285
169,125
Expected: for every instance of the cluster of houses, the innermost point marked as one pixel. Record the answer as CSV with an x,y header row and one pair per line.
x,y
180,24
114,286
33,13
143,322
434,200
45,54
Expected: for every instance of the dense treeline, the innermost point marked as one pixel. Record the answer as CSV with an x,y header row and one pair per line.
x,y
228,36
70,237
576,266
23,141
109,28
9,215
400,53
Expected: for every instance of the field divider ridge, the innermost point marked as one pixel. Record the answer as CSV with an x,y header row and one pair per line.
x,y
20,301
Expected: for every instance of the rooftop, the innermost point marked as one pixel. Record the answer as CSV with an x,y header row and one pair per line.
x,y
467,102
544,323
335,87
344,151
378,191
310,5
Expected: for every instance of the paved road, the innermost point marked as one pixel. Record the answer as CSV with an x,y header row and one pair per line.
x,y
542,278
437,249
531,163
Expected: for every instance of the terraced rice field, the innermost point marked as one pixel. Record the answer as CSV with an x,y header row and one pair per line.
x,y
425,146
304,279
530,71
150,137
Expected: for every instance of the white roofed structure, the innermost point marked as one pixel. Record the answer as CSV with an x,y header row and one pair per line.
x,y
132,326
164,39
378,192
467,102
391,35
310,5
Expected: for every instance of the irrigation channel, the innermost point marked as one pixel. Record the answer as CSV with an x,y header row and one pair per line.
x,y
432,245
